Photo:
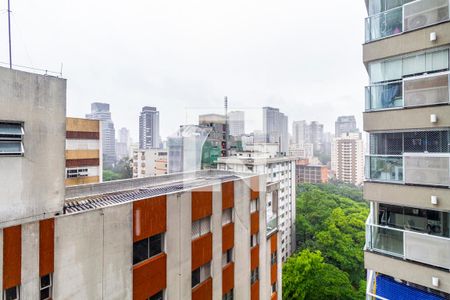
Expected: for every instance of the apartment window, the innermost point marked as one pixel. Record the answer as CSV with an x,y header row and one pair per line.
x,y
254,275
46,287
12,293
274,287
148,247
254,240
227,216
273,258
227,257
253,205
201,227
157,296
228,296
201,274
74,173
11,137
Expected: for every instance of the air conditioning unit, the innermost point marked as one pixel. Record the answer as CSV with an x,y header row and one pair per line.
x,y
422,13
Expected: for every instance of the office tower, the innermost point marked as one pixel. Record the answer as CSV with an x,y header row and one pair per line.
x,y
123,144
407,119
185,148
236,121
280,170
198,235
150,162
302,133
216,145
83,151
345,124
100,111
275,128
310,173
316,135
149,128
347,158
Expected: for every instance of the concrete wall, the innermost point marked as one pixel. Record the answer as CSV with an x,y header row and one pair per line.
x,y
33,185
411,118
29,289
216,223
407,42
406,195
1,257
264,244
412,272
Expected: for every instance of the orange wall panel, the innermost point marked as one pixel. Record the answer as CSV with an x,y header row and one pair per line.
x,y
254,222
149,217
254,257
227,194
254,187
273,273
273,243
227,237
255,291
227,278
12,254
46,246
201,203
274,296
149,277
201,250
203,291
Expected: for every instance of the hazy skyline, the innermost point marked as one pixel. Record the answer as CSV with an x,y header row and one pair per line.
x,y
182,55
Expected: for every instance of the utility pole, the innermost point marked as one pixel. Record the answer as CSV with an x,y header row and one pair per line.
x,y
9,33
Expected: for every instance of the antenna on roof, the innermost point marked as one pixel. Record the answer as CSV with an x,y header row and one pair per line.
x,y
9,33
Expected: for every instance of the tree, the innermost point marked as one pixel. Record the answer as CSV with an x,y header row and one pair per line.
x,y
109,175
307,276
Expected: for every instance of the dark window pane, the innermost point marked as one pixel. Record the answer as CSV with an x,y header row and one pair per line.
x,y
158,296
11,293
195,277
437,141
140,251
45,281
229,255
45,294
415,142
155,245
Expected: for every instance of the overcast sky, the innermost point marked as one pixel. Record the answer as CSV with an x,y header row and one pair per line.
x,y
184,56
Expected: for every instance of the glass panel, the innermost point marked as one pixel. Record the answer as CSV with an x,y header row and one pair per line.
x,y
45,294
414,64
386,168
425,12
427,170
427,90
414,141
384,24
385,96
11,293
387,240
155,245
10,148
386,143
45,281
140,251
437,141
195,277
427,249
196,229
437,61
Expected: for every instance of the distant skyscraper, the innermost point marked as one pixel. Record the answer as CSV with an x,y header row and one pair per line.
x,y
275,127
347,158
100,111
300,130
236,121
123,145
308,133
149,128
345,124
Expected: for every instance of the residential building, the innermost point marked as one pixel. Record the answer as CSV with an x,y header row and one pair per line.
x,y
275,128
217,144
279,170
236,121
310,173
347,158
302,133
197,235
150,162
304,150
345,124
185,148
149,128
83,151
100,111
123,144
407,119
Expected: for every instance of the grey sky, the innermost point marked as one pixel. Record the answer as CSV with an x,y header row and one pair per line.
x,y
301,56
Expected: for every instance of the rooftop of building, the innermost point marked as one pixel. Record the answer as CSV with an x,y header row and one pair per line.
x,y
99,195
255,160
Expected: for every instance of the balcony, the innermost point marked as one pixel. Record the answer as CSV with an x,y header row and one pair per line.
x,y
272,226
411,92
410,16
410,168
409,245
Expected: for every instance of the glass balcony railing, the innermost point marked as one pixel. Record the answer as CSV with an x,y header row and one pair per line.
x,y
272,225
410,168
410,92
410,16
420,247
384,168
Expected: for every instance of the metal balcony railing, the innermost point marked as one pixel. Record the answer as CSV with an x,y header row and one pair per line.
x,y
413,15
410,92
410,245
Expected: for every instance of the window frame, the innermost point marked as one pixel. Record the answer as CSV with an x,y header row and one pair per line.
x,y
49,287
17,288
201,224
149,247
